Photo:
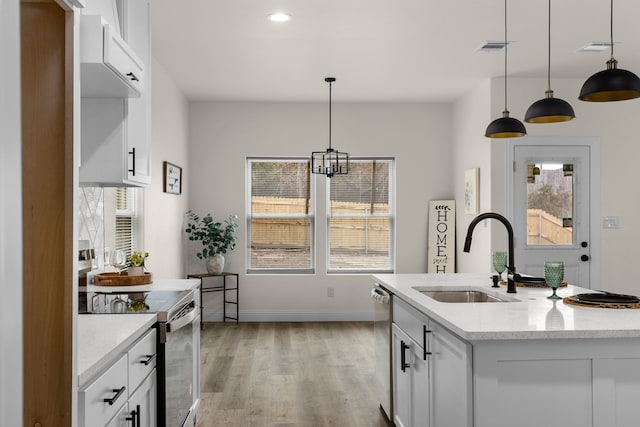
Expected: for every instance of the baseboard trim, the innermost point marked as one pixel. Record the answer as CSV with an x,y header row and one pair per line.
x,y
297,316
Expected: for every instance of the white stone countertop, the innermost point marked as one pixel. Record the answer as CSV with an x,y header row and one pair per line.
x,y
531,316
157,285
104,337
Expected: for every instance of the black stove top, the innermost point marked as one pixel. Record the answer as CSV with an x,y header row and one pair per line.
x,y
129,302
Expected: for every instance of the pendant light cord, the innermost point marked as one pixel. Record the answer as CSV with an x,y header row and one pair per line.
x,y
505,55
330,115
611,29
549,51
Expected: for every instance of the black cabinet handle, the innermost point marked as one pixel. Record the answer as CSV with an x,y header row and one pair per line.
x,y
425,348
133,161
113,399
133,77
403,358
584,258
149,357
134,417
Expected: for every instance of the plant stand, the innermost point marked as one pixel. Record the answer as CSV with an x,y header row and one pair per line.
x,y
219,288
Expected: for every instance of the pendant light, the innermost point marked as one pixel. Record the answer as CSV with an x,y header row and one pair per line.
x,y
612,84
330,162
549,109
505,126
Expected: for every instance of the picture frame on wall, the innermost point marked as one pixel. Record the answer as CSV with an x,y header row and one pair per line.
x,y
471,191
172,178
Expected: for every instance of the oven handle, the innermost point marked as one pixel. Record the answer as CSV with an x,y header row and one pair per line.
x,y
182,321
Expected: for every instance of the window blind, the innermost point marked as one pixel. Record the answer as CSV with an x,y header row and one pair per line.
x,y
361,218
280,220
125,238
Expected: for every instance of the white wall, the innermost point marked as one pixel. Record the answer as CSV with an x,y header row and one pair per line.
x,y
11,385
616,124
471,149
163,212
222,135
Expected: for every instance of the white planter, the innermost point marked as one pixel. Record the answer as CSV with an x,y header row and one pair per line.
x,y
135,271
215,264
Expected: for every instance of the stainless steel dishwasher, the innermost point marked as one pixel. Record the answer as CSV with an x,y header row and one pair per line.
x,y
382,334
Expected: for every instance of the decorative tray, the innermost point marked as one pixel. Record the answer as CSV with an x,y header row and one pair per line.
x,y
603,300
533,285
121,279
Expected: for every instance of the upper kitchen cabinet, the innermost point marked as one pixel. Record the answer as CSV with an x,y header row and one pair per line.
x,y
116,127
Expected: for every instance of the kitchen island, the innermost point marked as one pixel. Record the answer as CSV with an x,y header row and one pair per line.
x,y
527,361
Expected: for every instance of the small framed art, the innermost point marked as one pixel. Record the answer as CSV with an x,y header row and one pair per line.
x,y
471,196
172,178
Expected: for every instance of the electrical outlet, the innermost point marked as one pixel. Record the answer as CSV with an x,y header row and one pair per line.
x,y
330,292
611,222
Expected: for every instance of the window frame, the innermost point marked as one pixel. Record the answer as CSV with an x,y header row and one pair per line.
x,y
391,216
250,216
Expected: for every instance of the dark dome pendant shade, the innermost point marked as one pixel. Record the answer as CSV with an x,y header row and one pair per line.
x,y
549,109
505,126
612,84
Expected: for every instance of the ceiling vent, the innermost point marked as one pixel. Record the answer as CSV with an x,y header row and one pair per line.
x,y
488,46
595,47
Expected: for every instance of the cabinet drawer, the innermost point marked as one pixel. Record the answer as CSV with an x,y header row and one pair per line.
x,y
410,320
120,58
142,359
92,408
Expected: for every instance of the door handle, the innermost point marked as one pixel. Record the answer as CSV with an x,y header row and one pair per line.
x,y
584,258
403,357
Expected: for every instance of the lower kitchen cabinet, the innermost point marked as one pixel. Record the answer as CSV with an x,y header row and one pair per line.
x,y
411,381
432,372
124,394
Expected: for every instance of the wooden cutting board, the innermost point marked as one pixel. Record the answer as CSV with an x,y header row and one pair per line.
x,y
122,279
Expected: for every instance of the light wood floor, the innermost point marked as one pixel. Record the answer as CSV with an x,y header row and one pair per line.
x,y
288,374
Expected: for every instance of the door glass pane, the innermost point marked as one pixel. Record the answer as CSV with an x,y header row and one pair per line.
x,y
550,204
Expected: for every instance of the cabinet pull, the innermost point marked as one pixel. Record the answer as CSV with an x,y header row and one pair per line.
x,y
425,351
403,358
117,392
133,77
135,417
149,357
133,161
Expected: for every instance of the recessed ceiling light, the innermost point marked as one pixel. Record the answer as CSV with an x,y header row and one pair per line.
x,y
595,47
279,17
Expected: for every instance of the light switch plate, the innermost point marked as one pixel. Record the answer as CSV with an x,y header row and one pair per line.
x,y
611,222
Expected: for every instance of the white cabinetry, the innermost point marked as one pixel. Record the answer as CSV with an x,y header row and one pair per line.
x,y
432,376
115,130
125,393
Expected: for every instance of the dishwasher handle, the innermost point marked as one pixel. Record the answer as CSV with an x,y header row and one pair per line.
x,y
380,296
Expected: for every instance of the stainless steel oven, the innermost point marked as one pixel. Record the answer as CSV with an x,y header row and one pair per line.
x,y
178,345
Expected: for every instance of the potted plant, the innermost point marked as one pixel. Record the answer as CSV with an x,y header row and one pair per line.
x,y
216,237
135,263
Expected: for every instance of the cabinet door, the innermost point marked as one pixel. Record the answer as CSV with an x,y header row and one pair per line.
x,y
410,381
451,377
122,419
136,30
142,403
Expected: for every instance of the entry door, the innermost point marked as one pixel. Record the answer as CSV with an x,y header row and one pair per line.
x,y
551,209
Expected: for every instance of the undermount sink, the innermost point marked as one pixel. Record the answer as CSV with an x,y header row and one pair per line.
x,y
462,295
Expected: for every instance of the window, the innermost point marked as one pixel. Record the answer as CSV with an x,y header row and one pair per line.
x,y
125,220
280,222
361,218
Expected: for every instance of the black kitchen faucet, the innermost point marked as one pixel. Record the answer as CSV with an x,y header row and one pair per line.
x,y
511,267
